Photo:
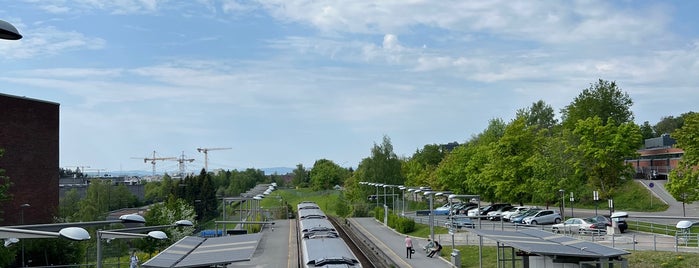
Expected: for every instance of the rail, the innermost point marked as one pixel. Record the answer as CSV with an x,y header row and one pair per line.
x,y
376,257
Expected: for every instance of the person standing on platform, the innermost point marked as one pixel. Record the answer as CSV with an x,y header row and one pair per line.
x,y
408,247
134,260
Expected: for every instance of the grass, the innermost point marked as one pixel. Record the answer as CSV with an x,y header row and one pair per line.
x,y
324,199
630,196
637,259
652,259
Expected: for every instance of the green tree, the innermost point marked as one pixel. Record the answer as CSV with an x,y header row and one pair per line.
x,y
540,115
602,99
325,174
165,214
684,179
383,166
553,170
599,154
419,168
300,176
667,125
647,131
464,169
510,166
95,204
68,207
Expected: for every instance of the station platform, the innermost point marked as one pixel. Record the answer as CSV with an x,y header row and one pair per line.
x,y
393,244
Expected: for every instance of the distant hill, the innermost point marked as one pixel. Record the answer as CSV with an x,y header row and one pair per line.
x,y
277,170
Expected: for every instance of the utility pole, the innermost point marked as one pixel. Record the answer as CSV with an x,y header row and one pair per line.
x,y
181,163
206,155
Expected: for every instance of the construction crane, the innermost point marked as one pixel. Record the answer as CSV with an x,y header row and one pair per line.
x,y
154,158
181,163
206,155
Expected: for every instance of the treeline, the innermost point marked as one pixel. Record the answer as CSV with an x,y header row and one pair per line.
x,y
526,160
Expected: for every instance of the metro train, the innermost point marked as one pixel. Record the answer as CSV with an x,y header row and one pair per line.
x,y
320,243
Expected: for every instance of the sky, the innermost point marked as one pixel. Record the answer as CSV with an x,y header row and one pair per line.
x,y
288,82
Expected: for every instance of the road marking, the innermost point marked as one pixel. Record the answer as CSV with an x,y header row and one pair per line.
x,y
382,244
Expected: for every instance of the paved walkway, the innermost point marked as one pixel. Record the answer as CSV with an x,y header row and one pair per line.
x,y
393,244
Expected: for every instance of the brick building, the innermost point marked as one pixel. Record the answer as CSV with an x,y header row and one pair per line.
x,y
657,158
29,135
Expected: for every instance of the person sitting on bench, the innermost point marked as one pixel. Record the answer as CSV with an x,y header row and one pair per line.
x,y
436,248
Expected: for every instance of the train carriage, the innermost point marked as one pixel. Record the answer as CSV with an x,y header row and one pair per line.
x,y
320,243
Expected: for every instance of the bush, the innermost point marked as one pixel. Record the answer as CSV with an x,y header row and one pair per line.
x,y
405,225
360,210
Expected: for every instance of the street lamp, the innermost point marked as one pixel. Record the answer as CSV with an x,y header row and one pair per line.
x,y
563,202
21,221
72,233
402,203
430,194
153,232
8,31
411,191
12,235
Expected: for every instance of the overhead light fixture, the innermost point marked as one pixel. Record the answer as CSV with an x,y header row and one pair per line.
x,y
8,31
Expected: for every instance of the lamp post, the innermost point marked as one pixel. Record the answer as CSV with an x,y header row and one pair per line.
x,y
563,202
402,203
72,233
411,192
430,194
480,247
21,221
12,235
9,32
153,232
384,194
572,205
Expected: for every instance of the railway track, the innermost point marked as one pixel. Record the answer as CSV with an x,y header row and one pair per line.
x,y
361,255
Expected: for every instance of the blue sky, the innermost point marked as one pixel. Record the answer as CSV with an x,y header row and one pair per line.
x,y
286,82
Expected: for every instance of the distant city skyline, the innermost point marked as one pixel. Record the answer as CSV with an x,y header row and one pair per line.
x,y
289,82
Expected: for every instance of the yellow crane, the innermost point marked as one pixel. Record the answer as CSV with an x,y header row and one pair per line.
x,y
154,158
206,155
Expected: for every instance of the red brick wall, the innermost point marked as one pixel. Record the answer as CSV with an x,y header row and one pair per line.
x,y
29,135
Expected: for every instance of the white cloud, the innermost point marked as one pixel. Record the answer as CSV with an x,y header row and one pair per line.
x,y
48,41
551,22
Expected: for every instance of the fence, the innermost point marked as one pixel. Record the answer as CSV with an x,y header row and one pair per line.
x,y
644,235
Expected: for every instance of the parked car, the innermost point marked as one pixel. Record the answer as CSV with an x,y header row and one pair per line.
x,y
545,216
578,225
495,214
482,211
620,219
512,211
461,208
443,210
460,222
519,218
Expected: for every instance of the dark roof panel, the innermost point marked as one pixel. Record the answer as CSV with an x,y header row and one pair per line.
x,y
546,243
196,251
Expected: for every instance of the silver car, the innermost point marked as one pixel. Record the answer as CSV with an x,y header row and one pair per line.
x,y
545,216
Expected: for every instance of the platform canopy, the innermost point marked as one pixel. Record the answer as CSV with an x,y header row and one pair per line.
x,y
195,251
549,244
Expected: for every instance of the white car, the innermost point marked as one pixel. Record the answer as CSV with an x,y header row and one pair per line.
x,y
507,214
